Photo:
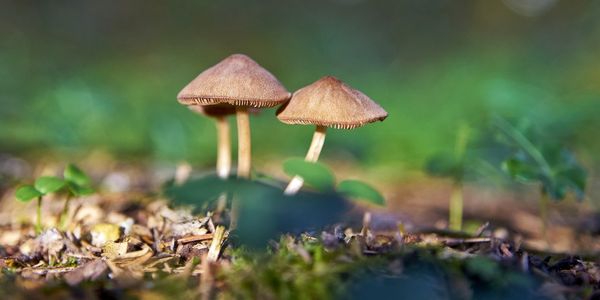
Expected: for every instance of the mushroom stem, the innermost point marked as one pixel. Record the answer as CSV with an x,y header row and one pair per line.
x,y
311,156
223,147
244,144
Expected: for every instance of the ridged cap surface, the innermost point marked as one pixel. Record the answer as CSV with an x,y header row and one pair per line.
x,y
237,80
219,110
332,103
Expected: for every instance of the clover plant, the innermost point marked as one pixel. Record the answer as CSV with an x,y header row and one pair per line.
x,y
454,166
73,184
553,167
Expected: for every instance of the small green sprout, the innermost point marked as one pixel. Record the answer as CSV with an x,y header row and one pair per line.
x,y
320,177
453,166
75,183
25,194
78,184
553,167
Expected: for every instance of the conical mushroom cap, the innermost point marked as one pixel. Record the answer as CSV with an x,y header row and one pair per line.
x,y
237,80
332,103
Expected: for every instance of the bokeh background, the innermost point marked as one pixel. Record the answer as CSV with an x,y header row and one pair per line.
x,y
78,77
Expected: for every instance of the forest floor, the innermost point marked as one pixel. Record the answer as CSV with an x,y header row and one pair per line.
x,y
130,241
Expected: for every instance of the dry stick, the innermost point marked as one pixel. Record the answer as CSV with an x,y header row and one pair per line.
x,y
195,238
217,242
311,156
456,241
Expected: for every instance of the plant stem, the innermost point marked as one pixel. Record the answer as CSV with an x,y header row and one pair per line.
x,y
64,213
456,208
38,223
311,156
223,147
544,214
456,199
462,138
244,143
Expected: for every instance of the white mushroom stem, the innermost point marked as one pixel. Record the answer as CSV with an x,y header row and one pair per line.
x,y
223,157
311,156
244,144
223,147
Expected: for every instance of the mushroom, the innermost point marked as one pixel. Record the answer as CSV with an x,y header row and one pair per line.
x,y
327,102
242,83
219,112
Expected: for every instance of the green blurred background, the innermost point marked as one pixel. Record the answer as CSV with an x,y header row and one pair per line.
x,y
82,76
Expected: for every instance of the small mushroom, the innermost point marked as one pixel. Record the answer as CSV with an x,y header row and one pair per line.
x,y
327,102
239,82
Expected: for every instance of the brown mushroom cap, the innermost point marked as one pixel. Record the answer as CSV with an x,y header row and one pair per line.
x,y
237,80
330,102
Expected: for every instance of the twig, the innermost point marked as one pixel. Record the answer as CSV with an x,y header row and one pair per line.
x,y
482,228
195,238
113,267
158,261
216,244
44,271
206,278
453,241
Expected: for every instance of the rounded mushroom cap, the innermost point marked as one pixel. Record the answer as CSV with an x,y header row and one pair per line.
x,y
332,103
237,80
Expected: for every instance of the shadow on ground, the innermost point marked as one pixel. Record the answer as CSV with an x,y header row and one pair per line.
x,y
264,212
